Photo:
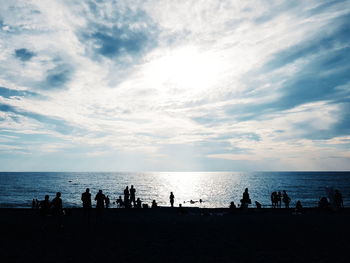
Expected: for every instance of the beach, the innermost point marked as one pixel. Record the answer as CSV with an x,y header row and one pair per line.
x,y
165,235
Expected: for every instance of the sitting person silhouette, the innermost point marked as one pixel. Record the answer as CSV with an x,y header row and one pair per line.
x,y
258,205
323,203
298,208
120,202
232,205
154,204
138,203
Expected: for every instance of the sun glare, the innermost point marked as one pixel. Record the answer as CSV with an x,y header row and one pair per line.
x,y
186,69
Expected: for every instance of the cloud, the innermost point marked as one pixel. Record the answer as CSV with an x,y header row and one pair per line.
x,y
13,93
24,54
58,76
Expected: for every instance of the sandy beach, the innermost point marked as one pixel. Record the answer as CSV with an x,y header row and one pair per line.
x,y
164,235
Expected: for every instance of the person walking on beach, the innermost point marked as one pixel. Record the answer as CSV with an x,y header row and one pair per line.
x,y
132,195
107,201
285,199
171,197
86,199
126,197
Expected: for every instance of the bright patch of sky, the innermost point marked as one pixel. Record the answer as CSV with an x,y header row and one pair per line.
x,y
183,85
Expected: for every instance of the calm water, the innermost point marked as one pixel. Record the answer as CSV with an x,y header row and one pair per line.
x,y
216,189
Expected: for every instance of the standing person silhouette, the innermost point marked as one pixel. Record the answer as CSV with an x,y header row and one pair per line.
x,y
171,197
45,206
86,198
57,204
100,201
338,199
132,196
126,197
57,209
286,199
246,199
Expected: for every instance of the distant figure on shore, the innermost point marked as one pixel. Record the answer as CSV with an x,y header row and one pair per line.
x,y
182,210
154,204
108,201
338,199
100,199
45,206
258,205
245,201
126,197
171,197
279,199
120,202
132,195
299,208
286,199
273,199
56,204
324,204
86,199
33,203
138,203
232,206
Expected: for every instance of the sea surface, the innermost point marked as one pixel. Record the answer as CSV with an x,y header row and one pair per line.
x,y
216,189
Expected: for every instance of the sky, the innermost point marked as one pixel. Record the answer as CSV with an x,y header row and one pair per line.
x,y
164,85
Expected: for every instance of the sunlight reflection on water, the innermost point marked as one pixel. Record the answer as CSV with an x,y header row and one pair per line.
x,y
216,189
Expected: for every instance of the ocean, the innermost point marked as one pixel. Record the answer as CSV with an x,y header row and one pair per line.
x,y
216,189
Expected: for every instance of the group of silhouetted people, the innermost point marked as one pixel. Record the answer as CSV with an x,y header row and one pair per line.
x,y
277,198
53,207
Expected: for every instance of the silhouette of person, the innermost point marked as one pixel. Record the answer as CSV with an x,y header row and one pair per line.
x,y
258,205
45,206
323,203
298,207
232,205
279,199
138,203
100,200
132,195
154,204
181,210
338,199
33,203
86,198
126,197
120,202
245,201
285,199
273,199
57,204
171,197
107,201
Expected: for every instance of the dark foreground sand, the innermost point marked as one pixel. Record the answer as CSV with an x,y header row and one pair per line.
x,y
163,235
